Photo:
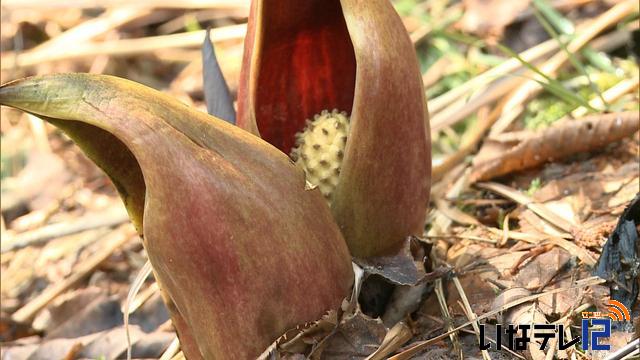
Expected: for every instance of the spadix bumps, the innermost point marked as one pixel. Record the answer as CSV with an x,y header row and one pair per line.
x,y
320,149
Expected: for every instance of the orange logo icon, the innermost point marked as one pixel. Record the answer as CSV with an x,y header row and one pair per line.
x,y
617,311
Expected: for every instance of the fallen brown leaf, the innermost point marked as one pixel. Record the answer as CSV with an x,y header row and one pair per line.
x,y
541,268
478,290
518,151
562,302
39,182
399,268
65,307
112,242
356,337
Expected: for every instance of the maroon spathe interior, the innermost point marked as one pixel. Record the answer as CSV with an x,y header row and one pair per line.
x,y
307,65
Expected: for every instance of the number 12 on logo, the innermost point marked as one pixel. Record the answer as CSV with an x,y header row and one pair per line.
x,y
596,334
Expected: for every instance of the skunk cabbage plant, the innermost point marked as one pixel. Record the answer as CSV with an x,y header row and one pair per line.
x,y
336,84
241,250
242,247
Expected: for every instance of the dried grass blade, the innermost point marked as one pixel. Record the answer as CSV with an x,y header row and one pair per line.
x,y
540,209
173,351
478,82
470,314
91,29
133,291
452,333
397,336
124,47
90,4
610,95
529,89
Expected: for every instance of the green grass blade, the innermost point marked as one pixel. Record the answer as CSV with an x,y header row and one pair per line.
x,y
553,86
572,58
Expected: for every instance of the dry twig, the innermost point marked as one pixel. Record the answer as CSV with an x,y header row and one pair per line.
x,y
524,150
46,233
